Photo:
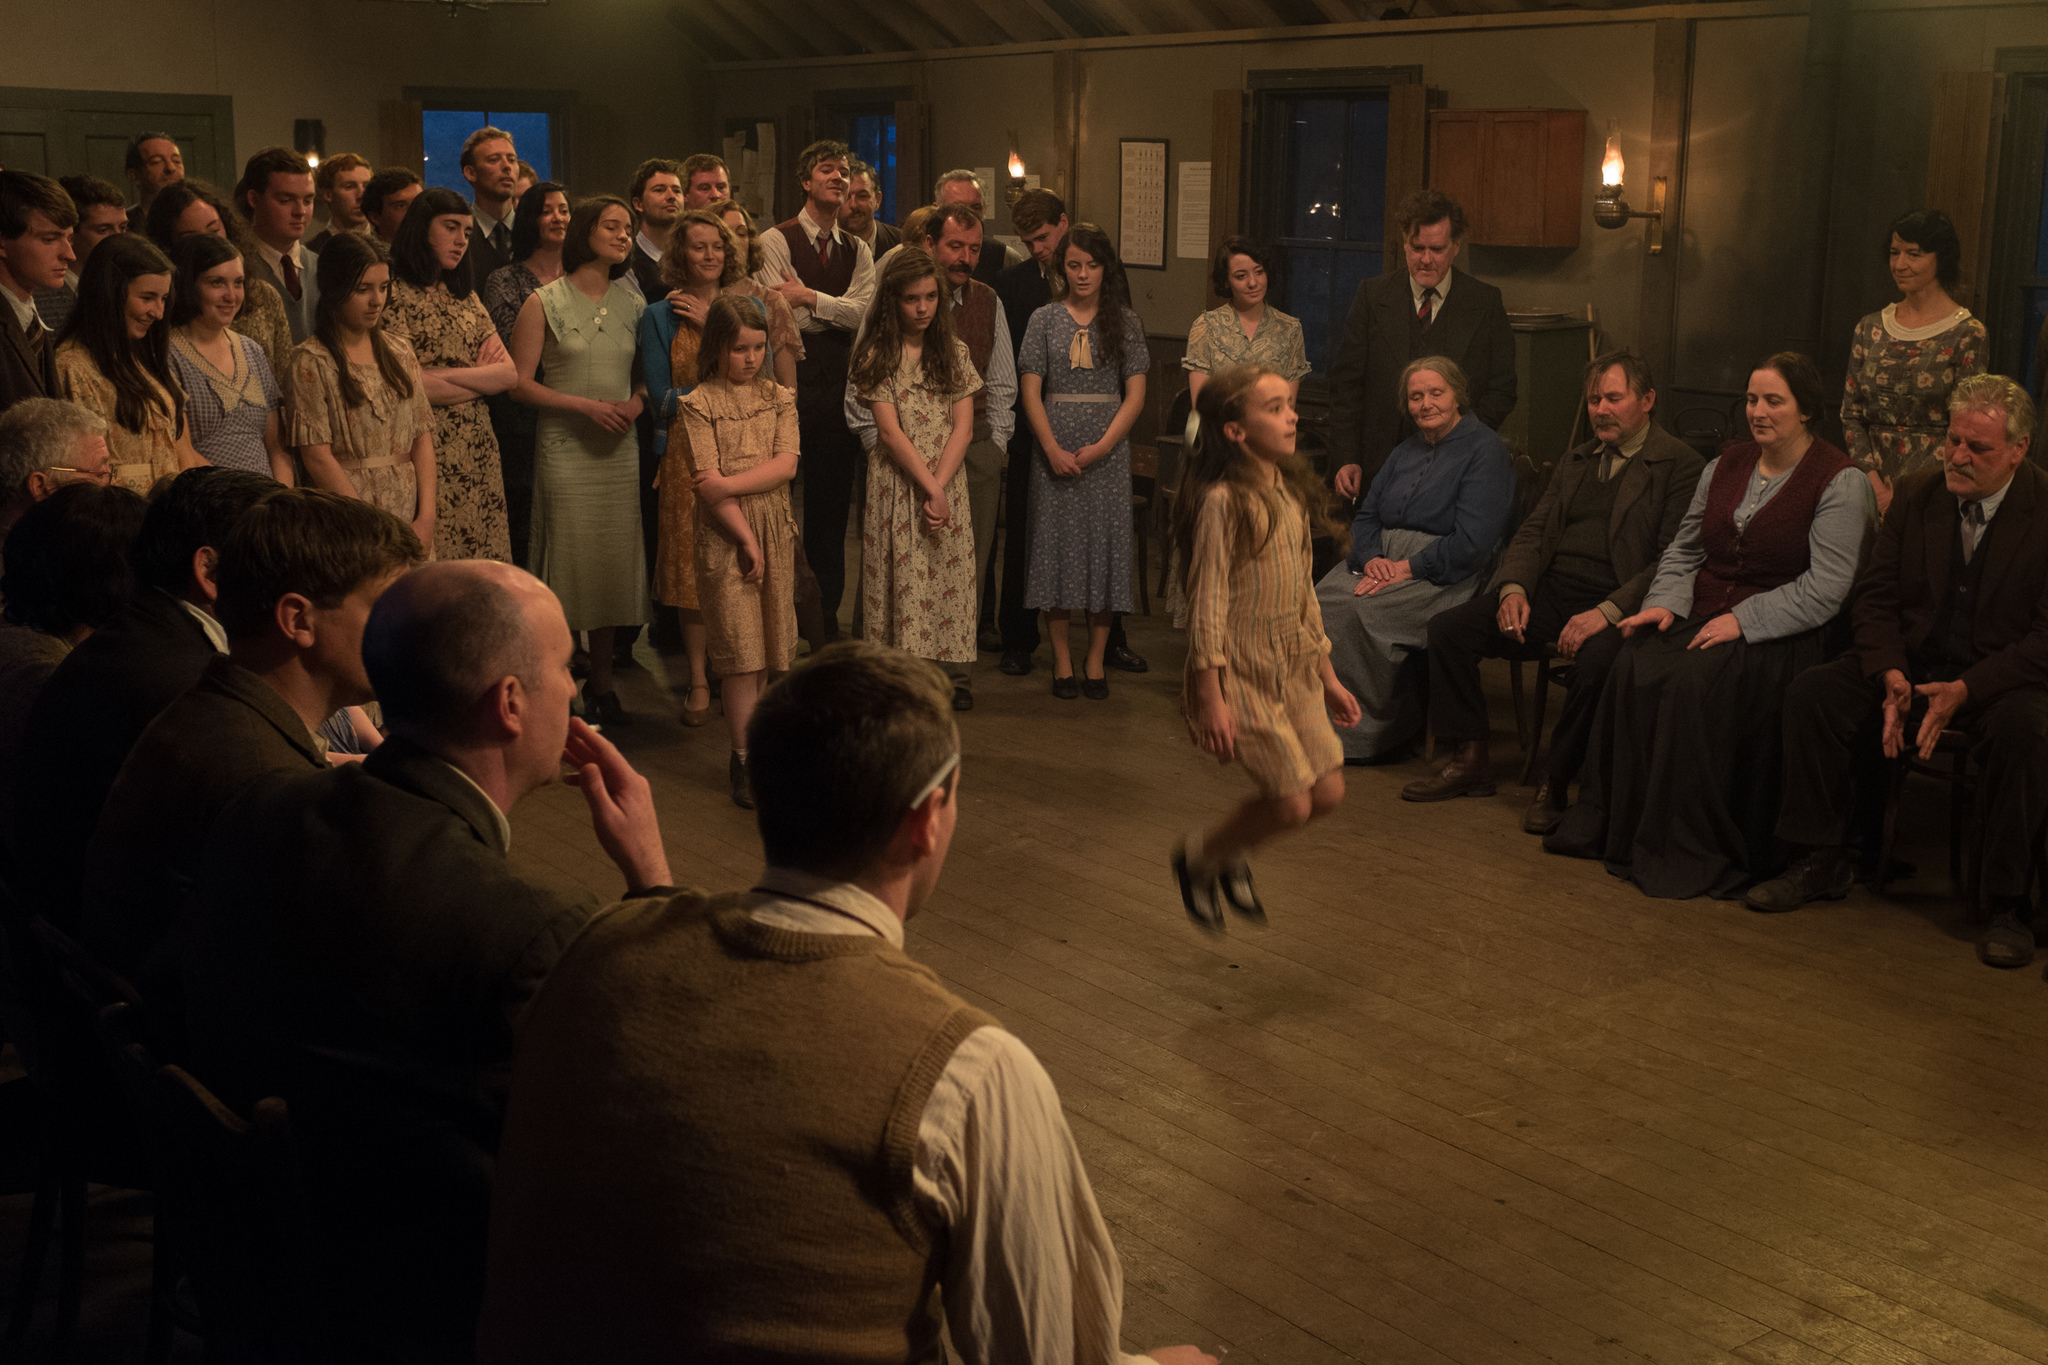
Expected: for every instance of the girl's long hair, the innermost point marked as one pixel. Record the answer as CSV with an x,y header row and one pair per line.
x,y
1256,505
1114,296
412,257
881,344
348,257
723,322
99,323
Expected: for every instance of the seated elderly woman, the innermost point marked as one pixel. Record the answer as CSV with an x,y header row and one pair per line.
x,y
1423,539
1679,792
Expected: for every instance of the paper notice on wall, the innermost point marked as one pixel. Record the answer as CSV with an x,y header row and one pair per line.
x,y
1191,233
1141,228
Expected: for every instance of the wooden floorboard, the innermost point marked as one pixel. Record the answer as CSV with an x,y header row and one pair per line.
x,y
1460,1101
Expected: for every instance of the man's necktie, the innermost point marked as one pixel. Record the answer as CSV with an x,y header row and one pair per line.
x,y
1610,460
291,277
1973,528
501,239
824,249
1428,306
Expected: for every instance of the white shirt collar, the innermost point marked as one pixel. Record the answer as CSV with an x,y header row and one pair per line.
x,y
504,822
272,256
1989,505
71,280
848,900
215,631
1443,291
487,224
24,308
647,244
811,228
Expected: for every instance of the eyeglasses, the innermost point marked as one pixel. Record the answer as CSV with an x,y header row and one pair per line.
x,y
924,793
102,477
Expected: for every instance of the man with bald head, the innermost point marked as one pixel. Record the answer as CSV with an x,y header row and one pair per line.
x,y
362,948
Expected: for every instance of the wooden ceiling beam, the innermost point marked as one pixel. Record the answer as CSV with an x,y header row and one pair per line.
x,y
827,29
912,29
1122,16
1336,11
707,38
1061,28
787,42
947,19
1003,24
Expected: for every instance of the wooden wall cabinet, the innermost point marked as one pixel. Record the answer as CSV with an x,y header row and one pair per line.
x,y
1520,173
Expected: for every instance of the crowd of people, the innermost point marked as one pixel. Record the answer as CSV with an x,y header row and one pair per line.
x,y
310,538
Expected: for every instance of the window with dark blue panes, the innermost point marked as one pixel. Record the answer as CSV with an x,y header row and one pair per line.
x,y
1321,206
2036,288
443,131
872,138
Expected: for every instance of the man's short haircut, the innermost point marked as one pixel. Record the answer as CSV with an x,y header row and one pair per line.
x,y
1802,377
1995,393
331,168
438,640
694,166
68,560
89,191
134,160
482,135
1419,209
825,150
935,225
25,192
837,750
959,174
41,433
917,222
383,185
257,171
320,545
648,169
858,167
190,512
1634,369
1034,209
524,170
1445,368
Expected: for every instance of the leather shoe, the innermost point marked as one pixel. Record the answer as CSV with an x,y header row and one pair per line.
x,y
742,786
963,697
604,709
989,638
1066,689
1014,662
1469,774
1819,874
1200,892
1120,656
1545,811
2006,941
1095,689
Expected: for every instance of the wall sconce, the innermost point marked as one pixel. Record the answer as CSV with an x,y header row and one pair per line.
x,y
1017,185
309,139
1610,210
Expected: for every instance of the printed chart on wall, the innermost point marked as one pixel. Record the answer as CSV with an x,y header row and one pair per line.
x,y
1141,230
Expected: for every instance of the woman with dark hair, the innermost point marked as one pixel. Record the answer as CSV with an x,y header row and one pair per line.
x,y
231,396
1246,330
1908,355
65,572
192,206
357,407
113,357
434,306
580,330
1081,376
1679,792
539,227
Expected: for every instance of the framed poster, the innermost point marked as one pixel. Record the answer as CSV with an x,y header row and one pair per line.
x,y
1141,225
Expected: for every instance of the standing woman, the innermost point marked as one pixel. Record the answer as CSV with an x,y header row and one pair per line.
x,y
191,206
737,437
1908,355
539,227
114,357
1081,376
1246,330
434,306
586,493
700,263
357,405
231,397
917,541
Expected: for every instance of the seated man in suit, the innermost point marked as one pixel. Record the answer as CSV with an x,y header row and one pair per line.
x,y
46,443
297,578
108,689
360,946
1427,308
750,1127
36,221
1579,564
1951,614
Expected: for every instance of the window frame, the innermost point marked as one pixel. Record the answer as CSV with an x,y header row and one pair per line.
x,y
558,105
2021,208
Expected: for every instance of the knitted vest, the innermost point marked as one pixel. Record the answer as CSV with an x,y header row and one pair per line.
x,y
821,372
1772,549
975,321
1583,549
709,1146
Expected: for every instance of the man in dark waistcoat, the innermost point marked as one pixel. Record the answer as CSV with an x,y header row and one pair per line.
x,y
1580,563
828,278
1951,615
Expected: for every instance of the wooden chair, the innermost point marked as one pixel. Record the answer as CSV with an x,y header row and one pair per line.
x,y
1529,716
1170,463
1962,824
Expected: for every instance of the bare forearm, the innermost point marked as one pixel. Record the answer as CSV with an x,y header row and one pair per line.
x,y
537,395
906,458
325,471
769,474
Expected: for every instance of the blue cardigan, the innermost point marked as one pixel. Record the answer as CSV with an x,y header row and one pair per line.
x,y
1461,489
657,339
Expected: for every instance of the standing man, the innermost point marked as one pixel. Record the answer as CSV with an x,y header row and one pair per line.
x,y
153,161
386,197
828,280
857,215
1429,308
1581,562
953,236
340,183
276,196
704,181
657,199
964,187
102,213
491,166
36,221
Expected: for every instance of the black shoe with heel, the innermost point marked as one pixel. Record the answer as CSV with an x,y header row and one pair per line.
x,y
1066,689
742,789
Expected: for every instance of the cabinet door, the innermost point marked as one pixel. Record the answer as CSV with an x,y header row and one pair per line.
x,y
1458,164
1513,193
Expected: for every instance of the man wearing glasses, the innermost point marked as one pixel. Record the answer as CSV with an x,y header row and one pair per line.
x,y
46,443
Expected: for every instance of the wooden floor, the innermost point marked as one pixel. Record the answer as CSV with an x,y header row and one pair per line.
x,y
1461,1101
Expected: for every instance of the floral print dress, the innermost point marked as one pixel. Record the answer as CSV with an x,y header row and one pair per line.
x,y
469,484
1895,401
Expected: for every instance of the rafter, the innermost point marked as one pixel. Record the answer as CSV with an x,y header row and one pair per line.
x,y
1124,17
786,42
1336,11
835,34
913,30
944,21
709,38
1004,25
1053,17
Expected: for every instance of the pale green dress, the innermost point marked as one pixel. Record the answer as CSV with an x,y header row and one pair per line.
x,y
586,498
